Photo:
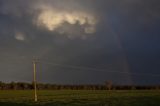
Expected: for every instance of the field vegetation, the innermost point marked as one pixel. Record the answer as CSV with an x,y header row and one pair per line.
x,y
80,98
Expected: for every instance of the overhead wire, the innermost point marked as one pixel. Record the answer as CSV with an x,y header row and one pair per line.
x,y
98,70
82,68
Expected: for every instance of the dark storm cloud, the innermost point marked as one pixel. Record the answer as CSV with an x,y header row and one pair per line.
x,y
125,38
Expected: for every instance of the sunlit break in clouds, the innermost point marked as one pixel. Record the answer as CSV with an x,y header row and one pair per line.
x,y
63,21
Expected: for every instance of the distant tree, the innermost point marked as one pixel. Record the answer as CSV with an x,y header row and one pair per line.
x,y
1,85
13,85
108,85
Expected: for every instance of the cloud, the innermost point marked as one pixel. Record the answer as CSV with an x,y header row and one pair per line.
x,y
70,19
19,36
135,22
63,21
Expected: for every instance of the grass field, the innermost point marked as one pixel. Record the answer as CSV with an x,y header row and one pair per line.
x,y
81,98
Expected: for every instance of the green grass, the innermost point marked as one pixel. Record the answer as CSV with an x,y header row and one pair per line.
x,y
81,98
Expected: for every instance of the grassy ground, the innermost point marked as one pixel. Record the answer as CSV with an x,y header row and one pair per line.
x,y
81,98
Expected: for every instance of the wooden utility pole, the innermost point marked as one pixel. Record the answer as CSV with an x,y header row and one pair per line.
x,y
34,79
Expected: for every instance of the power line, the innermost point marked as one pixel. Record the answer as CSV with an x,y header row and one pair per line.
x,y
93,69
99,70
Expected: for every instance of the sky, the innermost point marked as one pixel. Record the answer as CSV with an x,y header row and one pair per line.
x,y
80,41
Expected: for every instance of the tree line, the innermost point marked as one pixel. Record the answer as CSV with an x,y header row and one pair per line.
x,y
43,86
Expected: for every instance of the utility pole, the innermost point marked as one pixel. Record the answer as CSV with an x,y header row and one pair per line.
x,y
34,79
